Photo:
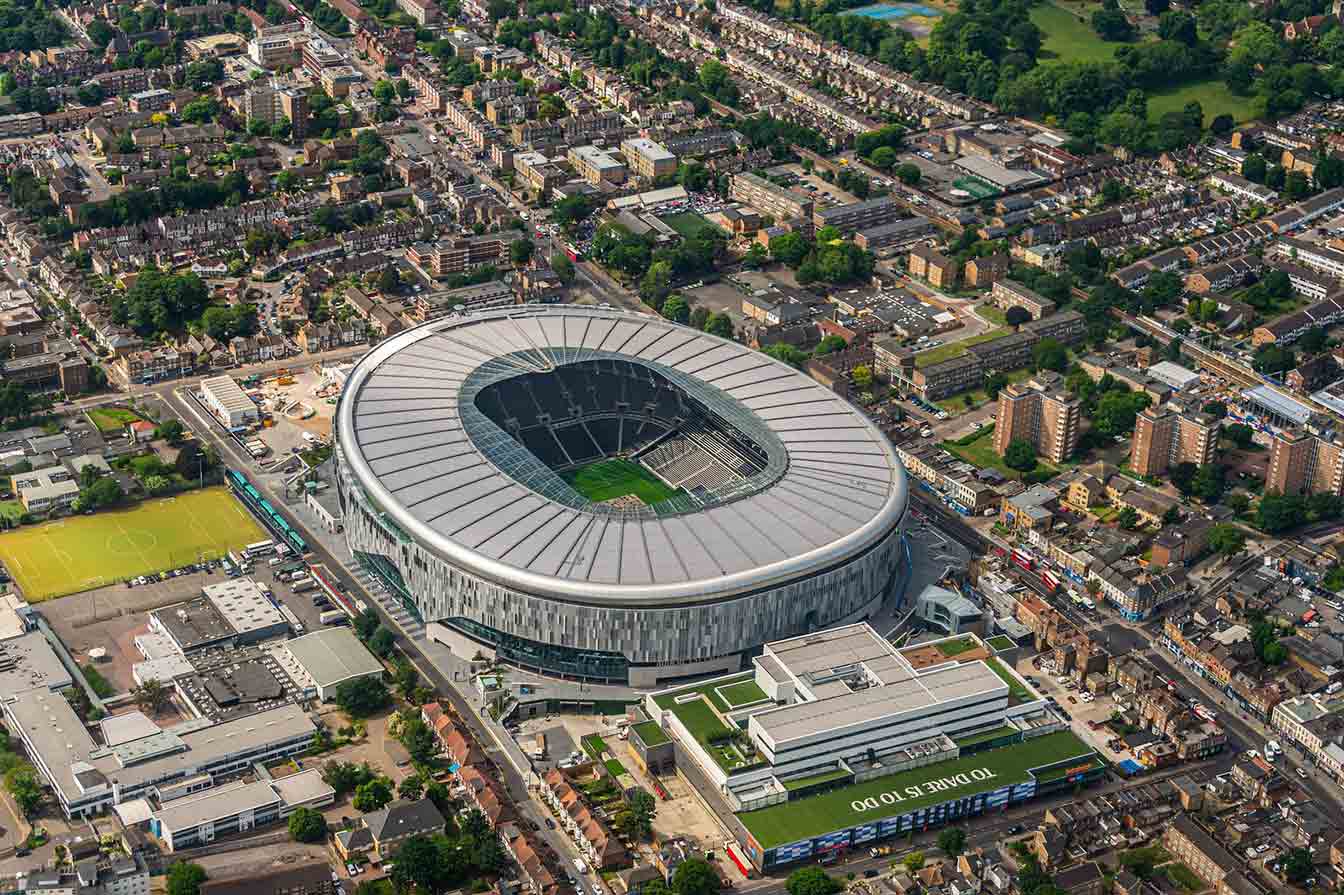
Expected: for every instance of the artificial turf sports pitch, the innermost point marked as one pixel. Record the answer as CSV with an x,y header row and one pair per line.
x,y
80,553
609,479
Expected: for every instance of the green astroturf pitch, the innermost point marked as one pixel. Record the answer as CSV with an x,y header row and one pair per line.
x,y
609,479
80,553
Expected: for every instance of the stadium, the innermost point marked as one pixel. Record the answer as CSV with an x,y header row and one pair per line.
x,y
609,496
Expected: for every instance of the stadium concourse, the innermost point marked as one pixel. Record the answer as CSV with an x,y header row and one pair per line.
x,y
609,496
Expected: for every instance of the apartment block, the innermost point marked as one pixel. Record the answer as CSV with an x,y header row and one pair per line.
x,y
780,203
933,266
1041,413
1302,463
1164,437
858,215
647,158
597,165
1012,294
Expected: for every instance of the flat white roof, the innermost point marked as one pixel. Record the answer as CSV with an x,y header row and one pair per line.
x,y
118,729
243,604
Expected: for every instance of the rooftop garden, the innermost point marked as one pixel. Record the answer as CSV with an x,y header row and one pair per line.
x,y
650,733
956,647
985,771
1017,691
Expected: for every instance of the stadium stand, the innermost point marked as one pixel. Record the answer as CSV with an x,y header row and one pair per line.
x,y
581,413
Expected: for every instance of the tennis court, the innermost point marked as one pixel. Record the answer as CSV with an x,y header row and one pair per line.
x,y
80,553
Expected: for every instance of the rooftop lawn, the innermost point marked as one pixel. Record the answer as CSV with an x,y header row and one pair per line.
x,y
650,733
816,815
1001,642
1016,689
669,699
743,693
956,647
814,779
985,736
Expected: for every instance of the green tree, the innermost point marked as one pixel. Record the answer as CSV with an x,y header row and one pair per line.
x,y
677,310
790,249
373,795
1298,866
418,865
719,324
1240,434
563,267
22,783
185,878
913,861
520,251
830,345
418,738
952,841
695,877
150,696
789,354
1050,354
307,825
1016,316
366,623
862,377
635,820
1020,455
382,642
363,697
1128,518
884,157
812,881
995,383
412,788
1228,540
170,430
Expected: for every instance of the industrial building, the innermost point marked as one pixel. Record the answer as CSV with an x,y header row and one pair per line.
x,y
323,660
235,612
227,401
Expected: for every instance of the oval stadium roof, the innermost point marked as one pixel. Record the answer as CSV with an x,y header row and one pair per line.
x,y
828,487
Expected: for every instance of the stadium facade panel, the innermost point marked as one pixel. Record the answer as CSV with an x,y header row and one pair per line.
x,y
455,445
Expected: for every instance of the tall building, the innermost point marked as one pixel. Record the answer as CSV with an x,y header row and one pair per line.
x,y
1040,412
1301,463
1165,437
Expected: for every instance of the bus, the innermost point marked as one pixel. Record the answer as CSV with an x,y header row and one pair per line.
x,y
260,548
1022,559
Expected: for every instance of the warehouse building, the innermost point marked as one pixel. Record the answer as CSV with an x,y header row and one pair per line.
x,y
227,401
323,660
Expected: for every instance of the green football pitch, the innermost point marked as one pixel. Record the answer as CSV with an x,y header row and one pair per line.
x,y
609,479
80,553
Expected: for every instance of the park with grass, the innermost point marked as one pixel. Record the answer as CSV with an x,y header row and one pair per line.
x,y
610,479
978,450
945,781
112,419
79,553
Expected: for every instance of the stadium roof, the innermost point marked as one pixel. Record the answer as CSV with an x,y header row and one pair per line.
x,y
434,464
